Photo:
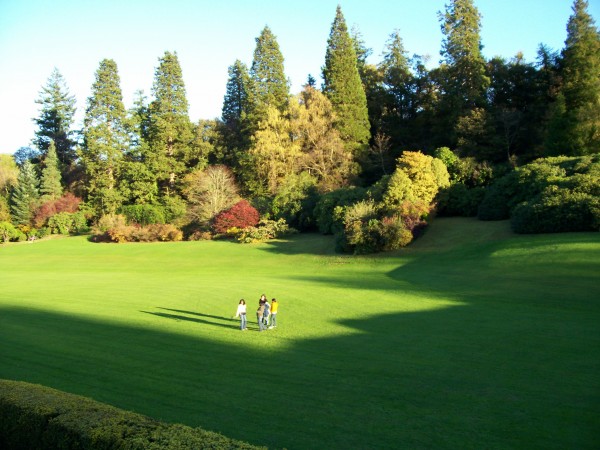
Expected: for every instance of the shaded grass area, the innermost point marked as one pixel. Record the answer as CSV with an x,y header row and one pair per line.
x,y
471,338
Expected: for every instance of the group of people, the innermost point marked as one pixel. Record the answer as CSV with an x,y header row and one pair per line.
x,y
266,314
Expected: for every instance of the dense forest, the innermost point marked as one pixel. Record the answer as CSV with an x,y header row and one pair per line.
x,y
370,155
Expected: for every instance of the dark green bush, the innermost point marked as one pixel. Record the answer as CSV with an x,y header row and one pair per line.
x,y
557,210
460,200
527,182
36,417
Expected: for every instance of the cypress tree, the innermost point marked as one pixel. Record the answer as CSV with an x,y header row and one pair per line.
x,y
55,120
25,195
343,86
105,139
579,117
50,186
170,129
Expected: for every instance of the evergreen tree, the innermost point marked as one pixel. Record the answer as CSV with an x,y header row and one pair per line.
x,y
270,85
343,86
462,75
50,186
236,108
105,139
399,107
170,129
580,71
55,120
25,195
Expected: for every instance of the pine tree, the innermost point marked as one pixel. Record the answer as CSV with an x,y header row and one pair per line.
x,y
580,71
105,139
270,86
463,72
170,129
343,86
50,186
25,195
55,120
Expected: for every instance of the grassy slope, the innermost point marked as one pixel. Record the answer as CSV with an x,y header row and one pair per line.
x,y
472,337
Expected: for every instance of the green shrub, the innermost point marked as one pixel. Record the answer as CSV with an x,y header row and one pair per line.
x,y
394,233
9,233
144,214
460,200
66,223
265,230
329,210
295,201
38,417
362,228
527,183
557,210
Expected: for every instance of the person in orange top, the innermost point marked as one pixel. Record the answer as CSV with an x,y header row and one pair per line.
x,y
274,307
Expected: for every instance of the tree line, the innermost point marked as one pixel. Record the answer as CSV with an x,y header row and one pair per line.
x,y
375,129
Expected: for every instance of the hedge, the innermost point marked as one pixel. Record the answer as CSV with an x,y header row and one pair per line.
x,y
38,417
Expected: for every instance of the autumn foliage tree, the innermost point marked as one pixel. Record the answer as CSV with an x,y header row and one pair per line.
x,y
209,192
240,215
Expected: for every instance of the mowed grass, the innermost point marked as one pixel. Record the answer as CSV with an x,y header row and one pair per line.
x,y
473,337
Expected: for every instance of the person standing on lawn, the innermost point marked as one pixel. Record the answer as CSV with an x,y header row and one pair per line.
x,y
241,313
259,315
267,313
274,307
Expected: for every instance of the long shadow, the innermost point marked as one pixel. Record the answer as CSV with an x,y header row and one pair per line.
x,y
189,319
194,313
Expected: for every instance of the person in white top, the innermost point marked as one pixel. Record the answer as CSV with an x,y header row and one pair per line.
x,y
241,313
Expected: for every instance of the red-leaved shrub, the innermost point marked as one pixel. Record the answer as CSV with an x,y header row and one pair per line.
x,y
240,215
67,203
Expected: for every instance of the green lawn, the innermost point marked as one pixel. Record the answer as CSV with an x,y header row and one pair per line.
x,y
471,338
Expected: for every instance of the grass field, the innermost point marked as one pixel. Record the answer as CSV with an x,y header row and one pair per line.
x,y
471,338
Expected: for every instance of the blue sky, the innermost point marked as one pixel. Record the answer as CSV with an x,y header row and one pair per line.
x,y
74,36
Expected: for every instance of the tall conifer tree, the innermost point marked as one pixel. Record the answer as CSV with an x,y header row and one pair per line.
x,y
25,195
579,103
235,114
57,108
50,186
269,82
105,139
170,130
343,86
463,72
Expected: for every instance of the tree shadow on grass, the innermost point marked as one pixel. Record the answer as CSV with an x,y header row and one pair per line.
x,y
457,377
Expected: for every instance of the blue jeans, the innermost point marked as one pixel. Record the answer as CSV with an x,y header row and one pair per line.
x,y
242,321
261,325
274,319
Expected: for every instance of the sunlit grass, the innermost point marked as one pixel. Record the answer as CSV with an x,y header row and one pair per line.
x,y
472,337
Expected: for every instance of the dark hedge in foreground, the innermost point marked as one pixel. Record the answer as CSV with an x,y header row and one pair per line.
x,y
38,417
